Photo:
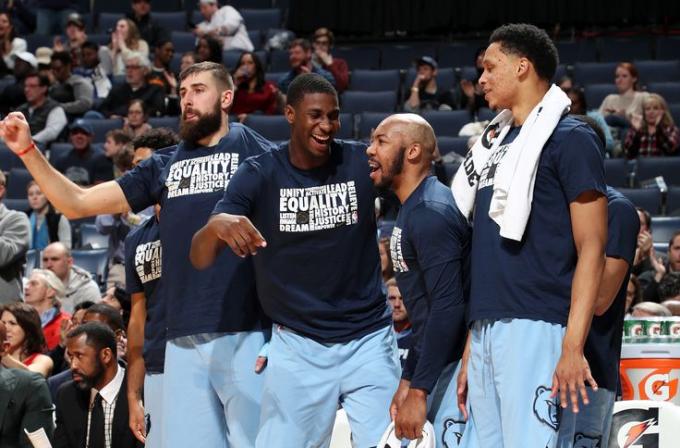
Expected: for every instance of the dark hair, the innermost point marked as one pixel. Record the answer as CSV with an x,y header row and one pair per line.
x,y
84,305
29,321
119,136
638,290
98,336
111,315
308,83
218,71
259,69
89,44
215,47
531,42
674,236
669,285
325,32
632,69
145,109
162,41
43,80
13,33
304,43
580,95
62,56
154,139
595,126
647,215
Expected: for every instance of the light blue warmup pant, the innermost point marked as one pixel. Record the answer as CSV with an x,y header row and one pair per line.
x,y
510,373
211,393
305,381
593,422
153,408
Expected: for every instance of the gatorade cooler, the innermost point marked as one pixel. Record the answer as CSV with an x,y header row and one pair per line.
x,y
650,371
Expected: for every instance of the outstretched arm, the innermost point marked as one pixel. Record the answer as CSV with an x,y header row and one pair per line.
x,y
223,230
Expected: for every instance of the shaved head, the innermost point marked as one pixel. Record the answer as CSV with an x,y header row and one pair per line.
x,y
413,129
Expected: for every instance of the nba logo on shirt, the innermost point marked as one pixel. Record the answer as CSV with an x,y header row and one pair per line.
x,y
396,253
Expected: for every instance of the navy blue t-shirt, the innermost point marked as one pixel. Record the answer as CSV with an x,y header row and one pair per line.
x,y
531,279
143,274
320,272
404,344
188,183
603,346
430,248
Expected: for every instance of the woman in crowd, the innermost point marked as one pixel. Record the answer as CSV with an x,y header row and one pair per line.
x,y
136,120
47,226
188,59
208,49
124,39
25,338
653,133
10,44
619,108
253,93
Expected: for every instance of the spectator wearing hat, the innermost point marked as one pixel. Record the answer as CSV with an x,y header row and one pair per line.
x,y
44,57
13,95
76,37
425,93
152,32
300,60
323,43
73,92
51,15
223,23
83,164
45,116
10,44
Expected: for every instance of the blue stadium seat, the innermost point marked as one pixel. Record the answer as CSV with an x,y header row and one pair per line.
x,y
17,181
261,19
560,72
468,73
572,52
230,58
670,91
374,80
99,39
8,159
663,228
369,121
272,127
165,5
650,167
346,131
183,41
274,76
176,21
658,71
107,21
165,122
458,54
359,58
403,56
34,41
101,127
615,49
485,113
675,112
90,238
176,62
94,261
20,205
452,144
256,38
356,102
668,48
447,123
58,151
32,262
594,73
445,77
647,198
111,6
596,93
672,201
617,173
278,61
195,18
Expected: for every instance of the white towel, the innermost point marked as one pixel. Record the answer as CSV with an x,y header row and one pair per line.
x,y
513,187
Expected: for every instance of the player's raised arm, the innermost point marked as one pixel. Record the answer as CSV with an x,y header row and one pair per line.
x,y
222,230
73,201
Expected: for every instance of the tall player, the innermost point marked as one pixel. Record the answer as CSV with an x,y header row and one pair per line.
x,y
532,300
215,326
430,248
307,211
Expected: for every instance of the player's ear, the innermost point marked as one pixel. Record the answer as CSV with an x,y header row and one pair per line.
x,y
414,151
226,99
289,112
523,66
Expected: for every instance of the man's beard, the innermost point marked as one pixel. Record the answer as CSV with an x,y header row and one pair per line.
x,y
88,381
394,170
206,125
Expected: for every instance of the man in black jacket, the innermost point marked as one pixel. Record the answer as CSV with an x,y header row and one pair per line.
x,y
152,32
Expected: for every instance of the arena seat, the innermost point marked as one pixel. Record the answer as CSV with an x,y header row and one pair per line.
x,y
658,71
261,19
165,122
94,261
272,127
346,131
447,123
59,150
357,102
616,49
176,21
183,41
596,93
20,205
459,54
572,52
8,159
670,91
673,201
594,73
675,112
32,261
445,78
274,76
359,58
485,113
647,198
617,173
101,127
34,41
403,56
107,21
17,181
230,58
278,61
452,144
668,48
90,238
650,167
374,80
367,121
256,38
663,228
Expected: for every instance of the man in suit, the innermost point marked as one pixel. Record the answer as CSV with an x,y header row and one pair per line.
x,y
24,403
92,409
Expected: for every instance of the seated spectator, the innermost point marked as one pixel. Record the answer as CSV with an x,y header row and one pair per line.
x,y
425,93
14,242
44,292
619,108
25,339
654,133
116,140
93,70
208,49
93,408
645,243
253,92
225,24
566,83
10,44
300,59
650,309
26,404
144,146
78,282
136,121
323,44
74,93
673,306
46,118
83,164
669,286
579,107
46,224
400,321
110,315
162,76
76,37
44,57
135,87
472,97
13,95
188,59
633,293
150,30
61,362
125,39
650,280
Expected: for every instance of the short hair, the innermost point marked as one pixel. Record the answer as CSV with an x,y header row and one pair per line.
x,y
145,108
98,336
43,80
29,321
218,71
673,237
62,56
52,282
141,57
637,297
304,43
531,42
669,285
84,305
89,44
647,215
111,315
391,282
157,138
653,308
123,158
308,83
325,32
119,136
162,41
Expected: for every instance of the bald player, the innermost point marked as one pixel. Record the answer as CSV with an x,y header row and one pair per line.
x,y
429,247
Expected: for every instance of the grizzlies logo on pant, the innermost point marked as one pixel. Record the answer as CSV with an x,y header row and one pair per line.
x,y
453,432
585,441
546,409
